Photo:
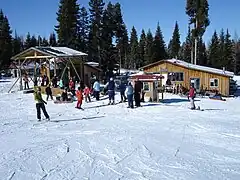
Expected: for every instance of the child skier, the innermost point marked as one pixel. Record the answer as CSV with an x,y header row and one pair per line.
x,y
86,92
48,91
79,96
40,104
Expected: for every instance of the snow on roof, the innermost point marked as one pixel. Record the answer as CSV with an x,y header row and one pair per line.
x,y
94,64
139,73
146,77
198,67
201,68
61,51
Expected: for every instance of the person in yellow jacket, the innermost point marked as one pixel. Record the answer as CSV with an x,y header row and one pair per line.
x,y
40,104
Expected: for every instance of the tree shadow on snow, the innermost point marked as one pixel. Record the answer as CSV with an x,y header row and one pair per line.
x,y
4,81
214,109
175,100
92,107
151,104
77,119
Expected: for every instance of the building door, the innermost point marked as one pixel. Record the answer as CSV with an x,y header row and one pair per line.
x,y
195,82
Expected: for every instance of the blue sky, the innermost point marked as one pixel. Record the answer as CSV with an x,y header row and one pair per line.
x,y
39,16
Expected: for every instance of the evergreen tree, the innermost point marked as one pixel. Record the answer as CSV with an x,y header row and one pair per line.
x,y
202,53
5,41
67,18
83,29
149,48
52,40
125,47
96,14
175,43
133,56
237,65
220,64
159,47
119,32
107,50
27,42
17,45
197,10
187,47
142,49
119,24
33,42
213,51
39,41
45,42
228,52
236,61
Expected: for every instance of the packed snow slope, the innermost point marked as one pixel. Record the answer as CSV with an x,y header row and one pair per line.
x,y
165,141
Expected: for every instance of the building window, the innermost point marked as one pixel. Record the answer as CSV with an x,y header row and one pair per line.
x,y
146,86
214,82
175,76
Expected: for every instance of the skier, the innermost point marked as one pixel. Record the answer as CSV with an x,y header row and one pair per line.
x,y
54,82
122,88
40,104
72,86
191,97
26,80
111,91
79,98
129,92
64,95
137,92
48,91
96,88
87,93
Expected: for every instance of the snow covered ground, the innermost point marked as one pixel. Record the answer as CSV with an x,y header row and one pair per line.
x,y
155,142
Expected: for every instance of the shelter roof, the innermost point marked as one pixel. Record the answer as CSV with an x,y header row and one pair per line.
x,y
48,52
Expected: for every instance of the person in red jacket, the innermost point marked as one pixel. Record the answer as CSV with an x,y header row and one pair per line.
x,y
192,96
87,93
79,95
72,86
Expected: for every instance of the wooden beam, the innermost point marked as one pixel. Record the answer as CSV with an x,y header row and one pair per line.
x,y
75,70
35,57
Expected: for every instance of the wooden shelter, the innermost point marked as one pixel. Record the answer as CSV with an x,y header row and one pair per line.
x,y
44,57
152,84
185,74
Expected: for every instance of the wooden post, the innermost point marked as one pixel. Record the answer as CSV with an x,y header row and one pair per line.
x,y
55,67
48,69
83,68
20,75
74,69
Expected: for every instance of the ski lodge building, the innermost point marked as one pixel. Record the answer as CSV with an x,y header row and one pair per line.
x,y
186,74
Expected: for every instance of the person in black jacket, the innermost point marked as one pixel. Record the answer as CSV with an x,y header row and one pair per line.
x,y
137,92
54,82
64,95
48,91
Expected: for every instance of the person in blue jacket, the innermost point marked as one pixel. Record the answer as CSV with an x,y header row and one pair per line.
x,y
122,88
111,91
96,89
130,92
